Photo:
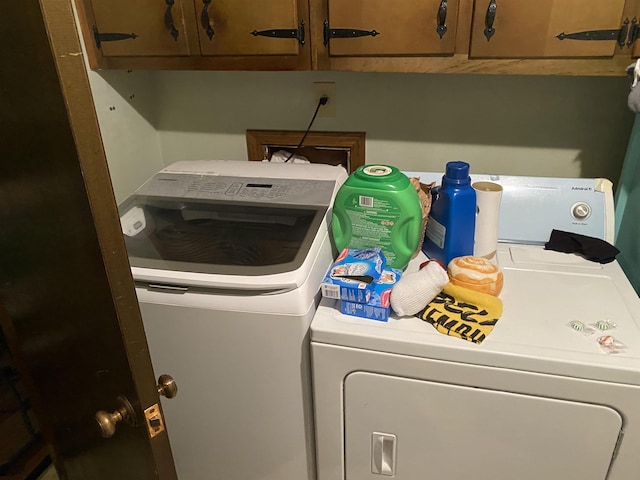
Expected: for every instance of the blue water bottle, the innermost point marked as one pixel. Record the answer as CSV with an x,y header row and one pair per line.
x,y
452,220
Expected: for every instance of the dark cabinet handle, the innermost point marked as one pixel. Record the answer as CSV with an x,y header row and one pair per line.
x,y
490,19
441,29
168,20
205,19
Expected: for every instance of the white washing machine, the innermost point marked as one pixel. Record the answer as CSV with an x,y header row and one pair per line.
x,y
228,258
535,400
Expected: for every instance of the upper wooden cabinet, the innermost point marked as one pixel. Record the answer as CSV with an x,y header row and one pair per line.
x,y
380,27
568,37
136,34
247,27
561,37
197,34
548,28
378,35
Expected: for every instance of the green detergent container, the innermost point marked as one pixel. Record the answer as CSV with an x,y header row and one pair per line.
x,y
378,207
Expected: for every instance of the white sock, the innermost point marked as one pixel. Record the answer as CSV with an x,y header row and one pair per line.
x,y
415,290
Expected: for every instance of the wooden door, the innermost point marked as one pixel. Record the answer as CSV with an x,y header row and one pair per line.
x,y
67,302
403,27
546,28
247,27
140,28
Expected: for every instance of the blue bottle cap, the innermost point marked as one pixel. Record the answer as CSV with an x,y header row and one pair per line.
x,y
457,170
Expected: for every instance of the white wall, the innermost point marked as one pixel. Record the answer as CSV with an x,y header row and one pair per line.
x,y
519,125
125,103
126,107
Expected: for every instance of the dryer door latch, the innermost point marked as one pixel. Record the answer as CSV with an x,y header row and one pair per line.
x,y
383,454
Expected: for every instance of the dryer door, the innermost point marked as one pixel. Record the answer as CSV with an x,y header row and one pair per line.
x,y
412,429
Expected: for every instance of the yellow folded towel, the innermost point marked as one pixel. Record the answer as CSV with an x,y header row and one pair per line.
x,y
463,313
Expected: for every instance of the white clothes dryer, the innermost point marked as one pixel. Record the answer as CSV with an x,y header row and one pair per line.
x,y
228,258
535,400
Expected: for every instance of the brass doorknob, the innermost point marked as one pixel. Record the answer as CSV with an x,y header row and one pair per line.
x,y
167,386
107,421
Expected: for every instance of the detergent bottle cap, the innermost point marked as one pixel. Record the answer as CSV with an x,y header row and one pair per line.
x,y
457,171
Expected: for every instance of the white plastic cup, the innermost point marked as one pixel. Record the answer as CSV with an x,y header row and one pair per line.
x,y
488,198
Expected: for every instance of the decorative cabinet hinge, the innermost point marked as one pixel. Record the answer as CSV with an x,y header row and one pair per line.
x,y
110,37
330,33
297,33
619,34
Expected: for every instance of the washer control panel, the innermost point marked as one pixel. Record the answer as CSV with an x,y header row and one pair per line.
x,y
239,189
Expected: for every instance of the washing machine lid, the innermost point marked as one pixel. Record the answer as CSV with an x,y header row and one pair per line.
x,y
211,237
543,292
225,224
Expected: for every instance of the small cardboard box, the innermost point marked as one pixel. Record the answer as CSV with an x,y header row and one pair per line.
x,y
378,307
352,275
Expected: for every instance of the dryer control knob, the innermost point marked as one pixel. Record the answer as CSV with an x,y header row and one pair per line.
x,y
580,211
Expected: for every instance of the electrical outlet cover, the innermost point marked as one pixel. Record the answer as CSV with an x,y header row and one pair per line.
x,y
328,89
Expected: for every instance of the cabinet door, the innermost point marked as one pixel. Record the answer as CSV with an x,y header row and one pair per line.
x,y
546,28
380,27
140,28
247,27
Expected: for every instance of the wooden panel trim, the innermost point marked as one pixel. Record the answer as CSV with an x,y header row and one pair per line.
x,y
301,62
614,66
463,32
257,140
318,12
459,63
